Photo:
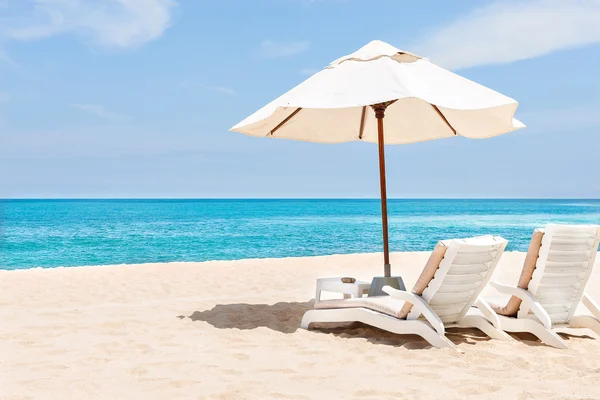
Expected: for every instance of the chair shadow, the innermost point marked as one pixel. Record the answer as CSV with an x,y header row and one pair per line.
x,y
358,330
569,336
531,340
285,317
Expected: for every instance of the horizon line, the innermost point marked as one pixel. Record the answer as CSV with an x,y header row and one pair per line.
x,y
297,198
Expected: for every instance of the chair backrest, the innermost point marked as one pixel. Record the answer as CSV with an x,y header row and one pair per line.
x,y
563,268
466,267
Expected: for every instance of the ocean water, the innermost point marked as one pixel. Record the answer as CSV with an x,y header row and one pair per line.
x,y
52,233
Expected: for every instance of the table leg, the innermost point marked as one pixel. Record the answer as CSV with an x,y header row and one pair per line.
x,y
318,293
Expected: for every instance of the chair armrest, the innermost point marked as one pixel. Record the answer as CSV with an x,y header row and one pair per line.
x,y
591,305
420,305
514,291
487,311
527,299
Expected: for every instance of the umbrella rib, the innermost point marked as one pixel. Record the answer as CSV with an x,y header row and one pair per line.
x,y
362,122
442,116
284,121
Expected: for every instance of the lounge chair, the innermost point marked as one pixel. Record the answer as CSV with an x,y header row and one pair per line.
x,y
551,286
451,281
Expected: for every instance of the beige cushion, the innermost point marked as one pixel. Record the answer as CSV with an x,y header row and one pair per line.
x,y
428,273
512,307
384,304
387,304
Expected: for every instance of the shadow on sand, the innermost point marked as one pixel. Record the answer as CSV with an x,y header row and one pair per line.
x,y
532,340
281,317
285,317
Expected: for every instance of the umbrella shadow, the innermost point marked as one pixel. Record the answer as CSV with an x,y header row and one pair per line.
x,y
282,317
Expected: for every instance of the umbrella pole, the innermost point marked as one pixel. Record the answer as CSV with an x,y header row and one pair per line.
x,y
380,114
379,282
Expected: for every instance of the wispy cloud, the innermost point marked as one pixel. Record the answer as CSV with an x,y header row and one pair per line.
x,y
509,30
219,89
308,71
108,23
575,118
100,111
97,140
311,2
272,49
6,59
4,97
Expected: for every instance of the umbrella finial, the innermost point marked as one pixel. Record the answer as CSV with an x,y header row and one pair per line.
x,y
379,108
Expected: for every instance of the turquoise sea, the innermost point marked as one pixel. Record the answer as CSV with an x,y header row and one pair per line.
x,y
52,233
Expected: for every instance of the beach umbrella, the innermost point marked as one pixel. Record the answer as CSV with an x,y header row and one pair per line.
x,y
350,99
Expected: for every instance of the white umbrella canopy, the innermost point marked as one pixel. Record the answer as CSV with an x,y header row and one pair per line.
x,y
431,102
350,98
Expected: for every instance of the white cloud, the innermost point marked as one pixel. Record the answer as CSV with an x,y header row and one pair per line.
x,y
4,97
272,49
509,30
100,111
219,89
107,23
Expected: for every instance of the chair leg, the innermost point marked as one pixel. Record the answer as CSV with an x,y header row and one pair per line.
x,y
549,337
509,324
429,334
535,328
479,322
591,305
381,321
585,321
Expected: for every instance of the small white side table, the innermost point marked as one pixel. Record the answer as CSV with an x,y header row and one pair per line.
x,y
356,289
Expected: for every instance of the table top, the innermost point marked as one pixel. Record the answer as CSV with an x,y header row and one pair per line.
x,y
338,279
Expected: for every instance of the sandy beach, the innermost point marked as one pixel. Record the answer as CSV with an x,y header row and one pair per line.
x,y
230,330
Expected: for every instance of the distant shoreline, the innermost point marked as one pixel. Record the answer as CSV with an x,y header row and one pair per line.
x,y
234,261
231,263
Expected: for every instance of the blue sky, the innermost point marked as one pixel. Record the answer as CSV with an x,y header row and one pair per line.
x,y
134,98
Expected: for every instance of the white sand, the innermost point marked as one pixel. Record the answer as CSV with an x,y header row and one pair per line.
x,y
229,330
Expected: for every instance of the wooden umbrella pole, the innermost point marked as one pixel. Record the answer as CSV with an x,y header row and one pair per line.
x,y
380,114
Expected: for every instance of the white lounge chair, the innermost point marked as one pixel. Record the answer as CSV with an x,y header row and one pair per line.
x,y
552,283
451,281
